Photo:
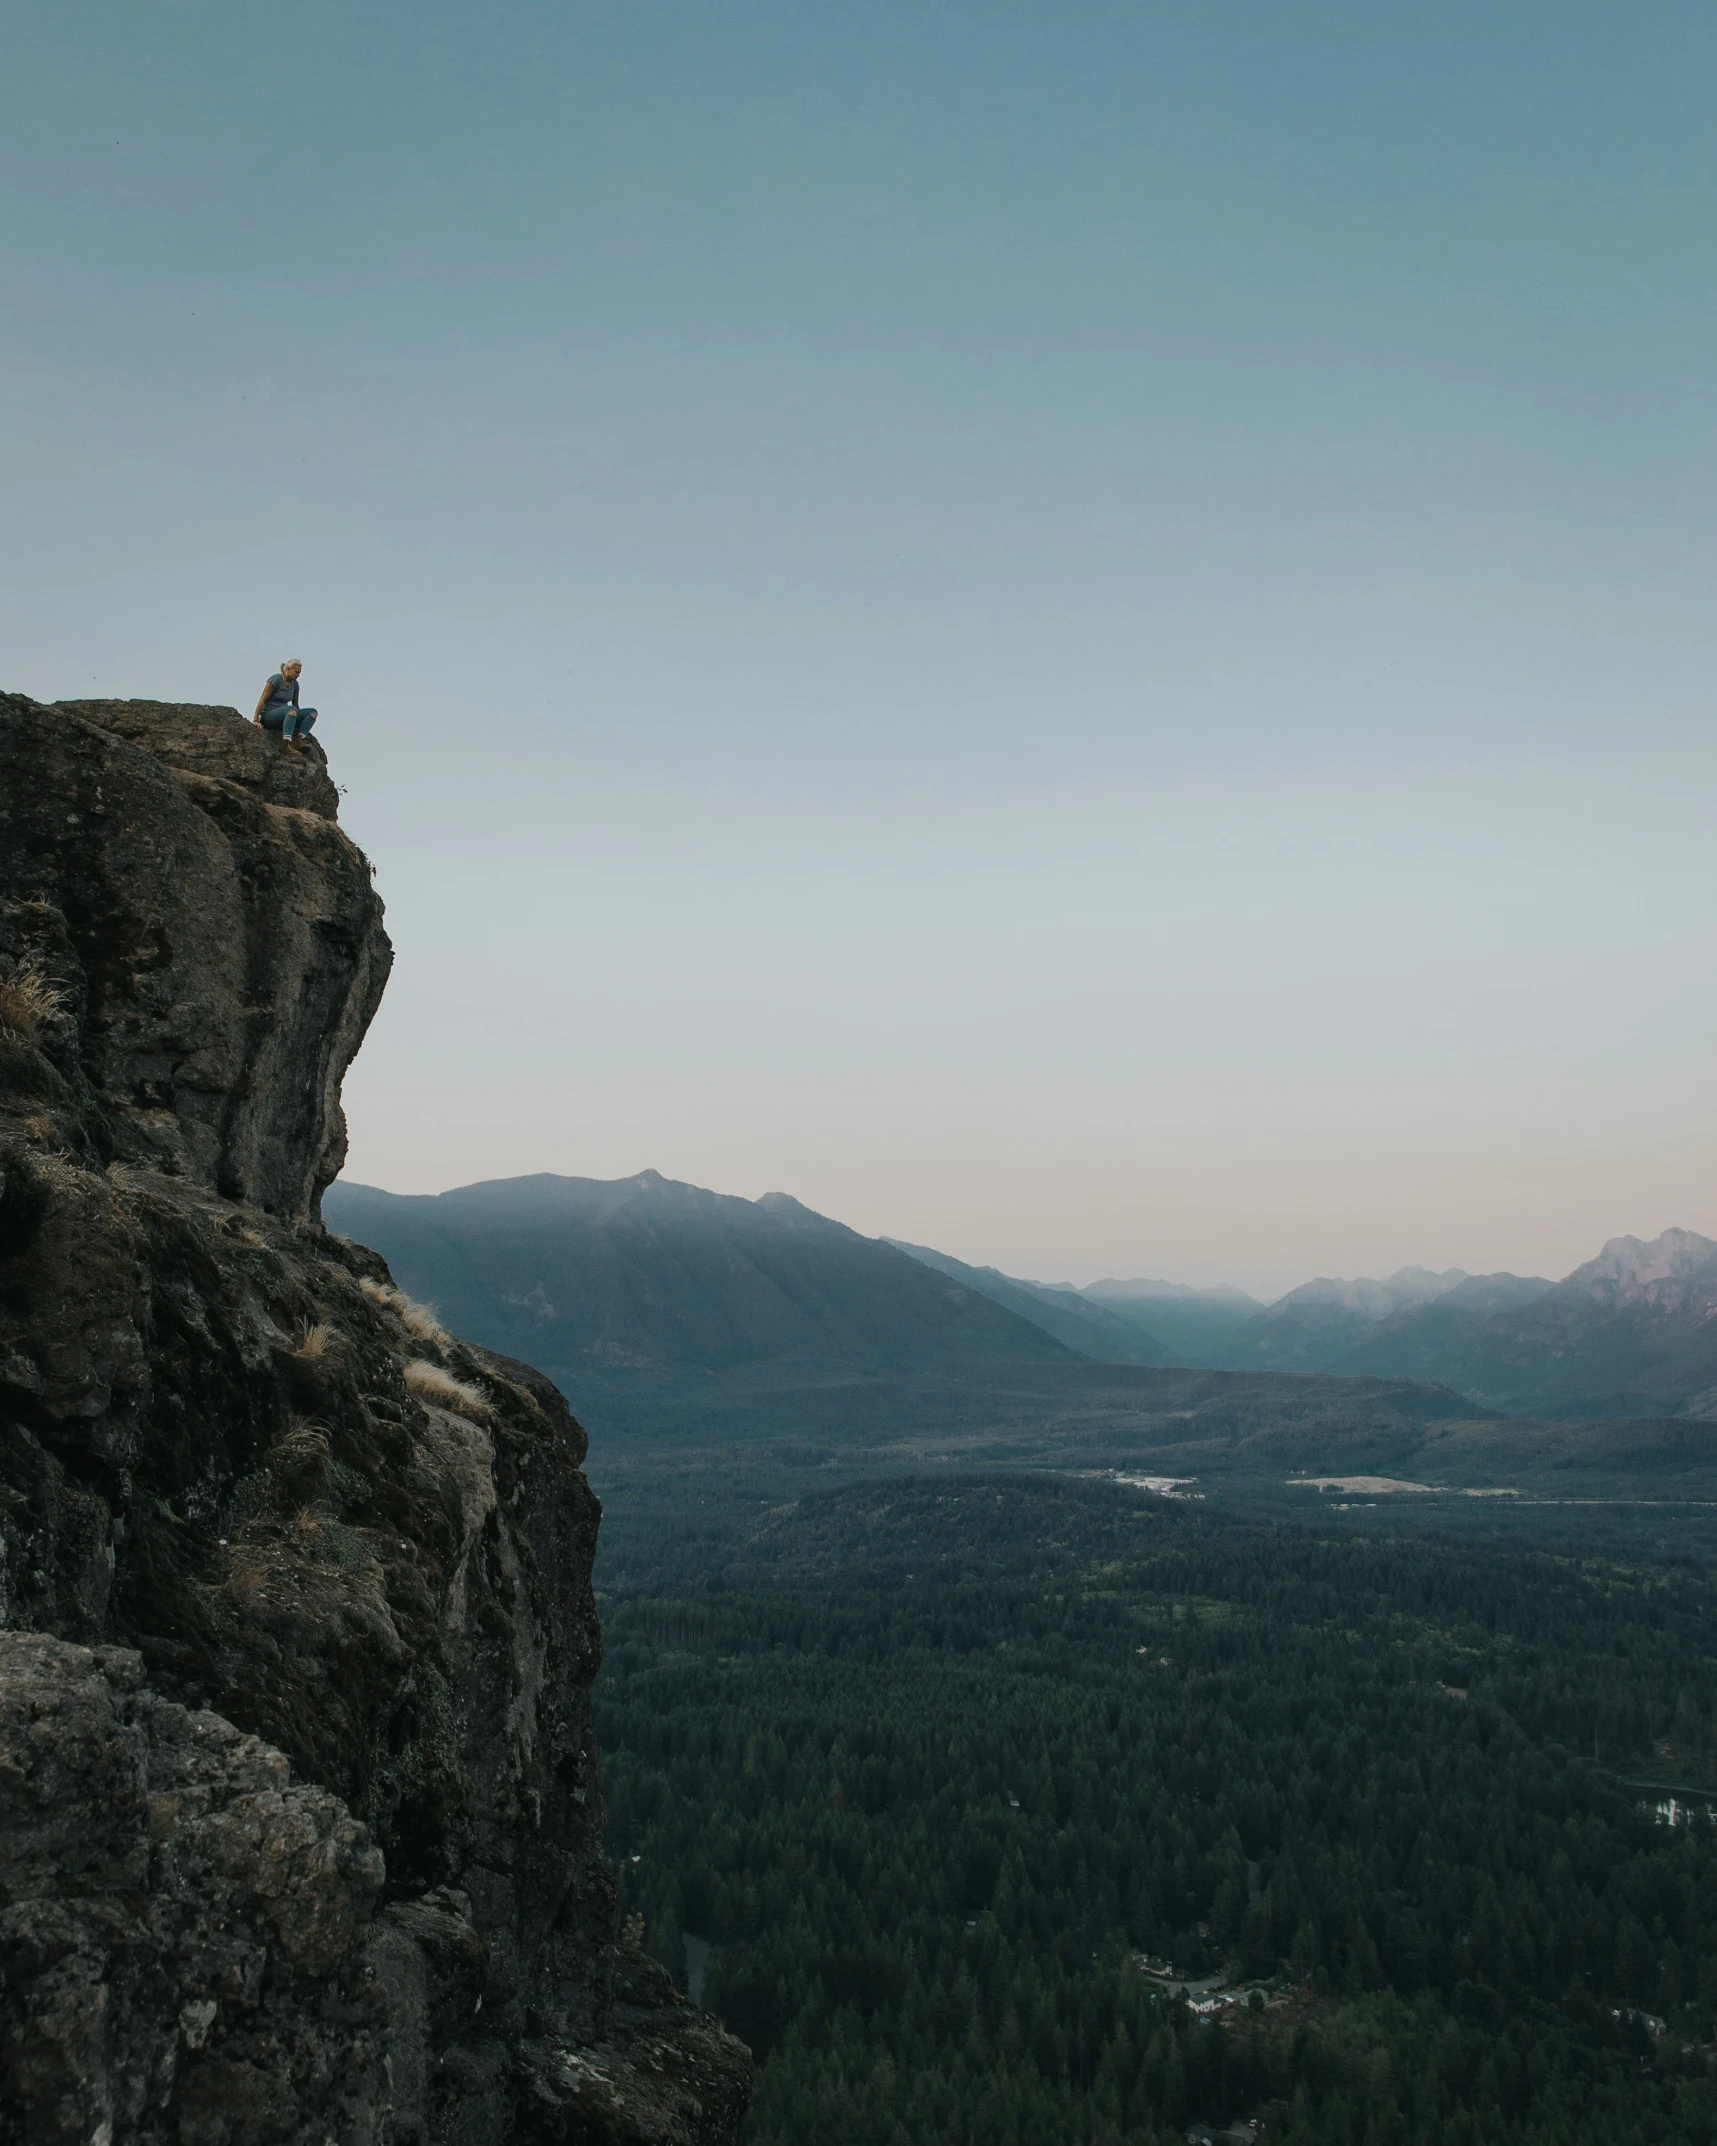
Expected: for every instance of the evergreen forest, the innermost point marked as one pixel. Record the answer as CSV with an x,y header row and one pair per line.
x,y
941,1792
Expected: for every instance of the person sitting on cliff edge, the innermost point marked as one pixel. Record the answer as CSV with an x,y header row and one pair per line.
x,y
278,707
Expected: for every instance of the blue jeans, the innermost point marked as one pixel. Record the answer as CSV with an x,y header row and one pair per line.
x,y
298,722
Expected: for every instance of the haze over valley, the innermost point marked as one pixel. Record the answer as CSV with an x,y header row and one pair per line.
x,y
680,1314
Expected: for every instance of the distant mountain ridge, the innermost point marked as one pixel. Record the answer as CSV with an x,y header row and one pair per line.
x,y
647,1271
1440,1330
1311,1327
1198,1324
1070,1314
1631,1334
682,1322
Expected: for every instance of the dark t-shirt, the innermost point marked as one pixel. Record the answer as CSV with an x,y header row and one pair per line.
x,y
282,694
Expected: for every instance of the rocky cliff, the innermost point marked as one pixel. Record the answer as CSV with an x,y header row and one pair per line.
x,y
300,1831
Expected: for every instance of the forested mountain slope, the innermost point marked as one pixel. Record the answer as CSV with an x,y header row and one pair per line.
x,y
1439,1336
1631,1333
671,1299
1198,1324
1072,1316
646,1272
1312,1327
681,1318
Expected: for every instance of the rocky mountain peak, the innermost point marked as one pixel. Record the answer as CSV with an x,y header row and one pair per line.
x,y
1676,1271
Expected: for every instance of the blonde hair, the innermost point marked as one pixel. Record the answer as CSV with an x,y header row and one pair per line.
x,y
288,663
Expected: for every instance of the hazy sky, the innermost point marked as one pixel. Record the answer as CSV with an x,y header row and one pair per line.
x,y
1082,633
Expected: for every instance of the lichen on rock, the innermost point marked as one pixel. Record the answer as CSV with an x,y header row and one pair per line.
x,y
336,1542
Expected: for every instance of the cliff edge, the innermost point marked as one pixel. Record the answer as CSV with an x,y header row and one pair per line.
x,y
300,1831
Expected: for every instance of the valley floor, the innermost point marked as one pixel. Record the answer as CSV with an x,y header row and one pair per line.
x,y
940,1781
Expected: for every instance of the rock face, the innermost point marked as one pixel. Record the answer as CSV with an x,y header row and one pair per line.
x,y
334,1566
220,941
183,1926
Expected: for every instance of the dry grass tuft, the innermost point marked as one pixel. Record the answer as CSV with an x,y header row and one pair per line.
x,y
430,1383
247,1574
299,1464
419,1320
27,999
315,1340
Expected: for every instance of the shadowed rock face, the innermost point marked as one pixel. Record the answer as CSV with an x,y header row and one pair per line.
x,y
337,1539
182,1925
217,936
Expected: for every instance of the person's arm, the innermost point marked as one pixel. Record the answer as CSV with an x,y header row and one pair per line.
x,y
262,701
